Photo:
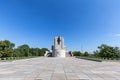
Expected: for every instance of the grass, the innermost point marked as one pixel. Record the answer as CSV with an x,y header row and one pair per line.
x,y
96,59
91,58
16,58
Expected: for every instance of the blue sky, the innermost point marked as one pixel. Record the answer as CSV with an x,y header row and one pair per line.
x,y
86,23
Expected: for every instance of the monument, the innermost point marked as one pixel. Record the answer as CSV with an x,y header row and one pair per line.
x,y
59,49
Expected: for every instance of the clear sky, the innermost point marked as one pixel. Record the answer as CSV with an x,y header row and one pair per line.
x,y
82,23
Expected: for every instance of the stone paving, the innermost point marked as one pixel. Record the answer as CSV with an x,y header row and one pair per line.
x,y
59,69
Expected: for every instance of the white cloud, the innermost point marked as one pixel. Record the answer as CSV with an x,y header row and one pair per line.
x,y
118,35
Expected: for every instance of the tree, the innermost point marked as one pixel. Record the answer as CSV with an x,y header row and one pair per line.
x,y
34,51
108,52
77,53
1,54
96,53
86,54
9,53
42,51
6,48
23,50
12,45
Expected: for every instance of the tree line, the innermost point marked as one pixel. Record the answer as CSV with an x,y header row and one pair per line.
x,y
104,51
7,49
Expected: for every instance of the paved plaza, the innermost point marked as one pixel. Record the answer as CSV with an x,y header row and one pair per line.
x,y
70,68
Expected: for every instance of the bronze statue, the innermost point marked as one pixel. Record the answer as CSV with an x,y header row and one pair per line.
x,y
58,40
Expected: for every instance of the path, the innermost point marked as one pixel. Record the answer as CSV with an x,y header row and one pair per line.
x,y
59,69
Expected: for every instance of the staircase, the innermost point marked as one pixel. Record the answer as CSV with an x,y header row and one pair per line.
x,y
68,55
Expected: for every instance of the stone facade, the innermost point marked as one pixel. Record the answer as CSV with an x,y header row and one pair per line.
x,y
59,49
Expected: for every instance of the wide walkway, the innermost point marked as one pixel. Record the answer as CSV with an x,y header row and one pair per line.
x,y
59,69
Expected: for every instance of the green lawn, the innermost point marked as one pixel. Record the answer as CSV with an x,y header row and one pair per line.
x,y
16,58
96,59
